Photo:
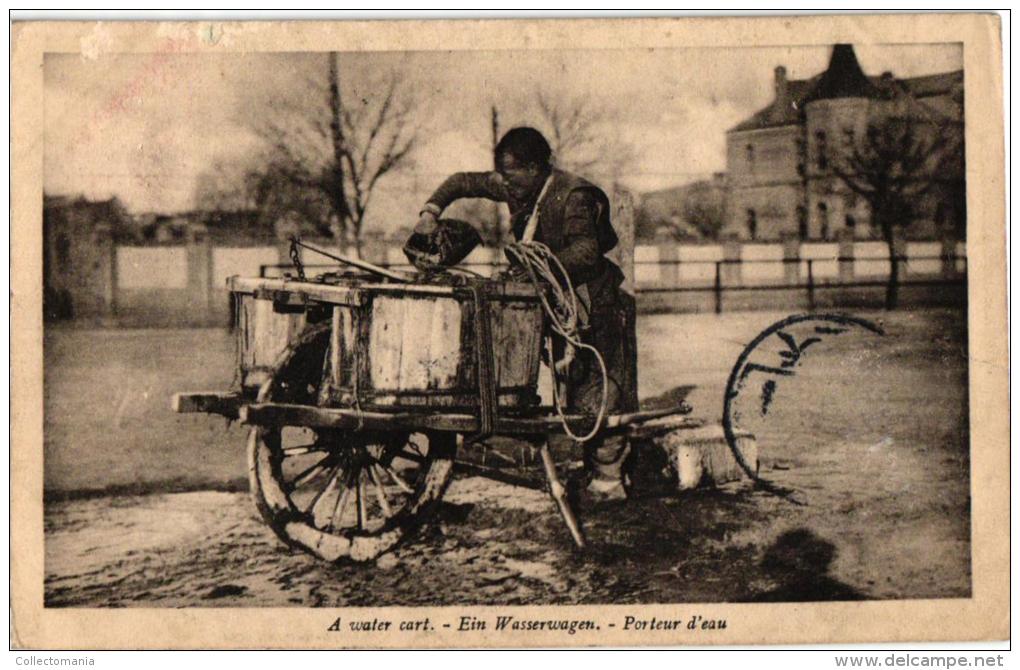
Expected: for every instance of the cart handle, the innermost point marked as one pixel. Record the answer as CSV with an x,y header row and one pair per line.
x,y
360,264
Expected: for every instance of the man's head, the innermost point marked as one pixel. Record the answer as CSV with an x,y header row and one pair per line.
x,y
523,159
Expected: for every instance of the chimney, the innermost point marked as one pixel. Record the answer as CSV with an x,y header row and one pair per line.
x,y
887,84
782,90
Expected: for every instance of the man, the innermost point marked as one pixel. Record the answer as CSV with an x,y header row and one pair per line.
x,y
571,216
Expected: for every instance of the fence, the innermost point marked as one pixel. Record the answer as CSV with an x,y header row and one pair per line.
x,y
812,283
185,285
805,268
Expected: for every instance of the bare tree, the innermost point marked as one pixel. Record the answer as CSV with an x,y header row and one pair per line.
x,y
321,143
583,137
693,211
224,187
702,208
580,131
900,158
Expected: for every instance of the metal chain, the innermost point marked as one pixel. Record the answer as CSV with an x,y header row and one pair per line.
x,y
295,258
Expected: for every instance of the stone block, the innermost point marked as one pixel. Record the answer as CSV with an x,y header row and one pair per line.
x,y
702,458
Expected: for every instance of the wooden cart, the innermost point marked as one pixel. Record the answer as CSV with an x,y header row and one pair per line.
x,y
361,391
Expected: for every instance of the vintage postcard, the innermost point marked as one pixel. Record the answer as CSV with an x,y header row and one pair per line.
x,y
519,333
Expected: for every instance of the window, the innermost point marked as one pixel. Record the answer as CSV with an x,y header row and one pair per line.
x,y
823,220
749,151
821,150
802,225
752,224
851,222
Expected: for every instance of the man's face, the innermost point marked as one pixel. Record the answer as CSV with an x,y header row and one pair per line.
x,y
522,181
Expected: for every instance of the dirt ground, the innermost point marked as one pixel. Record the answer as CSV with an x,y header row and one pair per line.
x,y
146,508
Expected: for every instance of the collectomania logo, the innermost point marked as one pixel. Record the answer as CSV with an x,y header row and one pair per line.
x,y
52,660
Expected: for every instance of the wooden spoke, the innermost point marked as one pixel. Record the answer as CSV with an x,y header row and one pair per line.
x,y
330,466
412,456
397,479
380,492
500,455
324,378
308,472
362,512
341,505
329,482
302,450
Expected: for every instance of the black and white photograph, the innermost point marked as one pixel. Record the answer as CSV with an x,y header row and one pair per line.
x,y
330,325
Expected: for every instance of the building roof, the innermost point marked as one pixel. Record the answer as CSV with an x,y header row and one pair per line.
x,y
931,85
844,78
777,114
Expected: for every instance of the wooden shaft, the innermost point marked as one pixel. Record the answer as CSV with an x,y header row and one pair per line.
x,y
616,420
360,264
559,495
280,414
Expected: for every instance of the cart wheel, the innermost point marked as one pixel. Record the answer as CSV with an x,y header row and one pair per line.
x,y
340,494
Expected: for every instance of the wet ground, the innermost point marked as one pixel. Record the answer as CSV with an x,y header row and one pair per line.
x,y
492,544
871,435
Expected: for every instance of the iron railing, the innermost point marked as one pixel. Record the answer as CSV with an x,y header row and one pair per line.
x,y
950,274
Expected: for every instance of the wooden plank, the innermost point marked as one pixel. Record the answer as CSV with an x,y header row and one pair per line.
x,y
336,347
295,325
501,290
653,429
210,402
385,340
361,369
247,332
417,317
535,361
614,420
504,342
414,343
467,366
499,475
429,342
353,294
340,295
343,347
272,332
449,400
319,417
516,335
444,345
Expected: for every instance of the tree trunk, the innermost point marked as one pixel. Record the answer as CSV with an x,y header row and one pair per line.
x,y
494,233
337,192
892,288
355,241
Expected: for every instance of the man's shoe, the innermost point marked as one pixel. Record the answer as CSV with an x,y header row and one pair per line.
x,y
606,490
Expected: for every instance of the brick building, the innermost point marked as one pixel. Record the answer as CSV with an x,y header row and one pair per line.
x,y
780,177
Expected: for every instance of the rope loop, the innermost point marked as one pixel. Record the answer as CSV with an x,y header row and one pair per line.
x,y
559,300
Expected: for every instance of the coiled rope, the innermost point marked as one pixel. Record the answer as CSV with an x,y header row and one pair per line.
x,y
559,300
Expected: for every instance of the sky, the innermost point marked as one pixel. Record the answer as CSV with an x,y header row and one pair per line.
x,y
144,127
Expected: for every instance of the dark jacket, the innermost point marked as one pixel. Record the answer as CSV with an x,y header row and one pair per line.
x,y
573,216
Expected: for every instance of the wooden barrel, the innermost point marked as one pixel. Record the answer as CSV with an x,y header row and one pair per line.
x,y
398,345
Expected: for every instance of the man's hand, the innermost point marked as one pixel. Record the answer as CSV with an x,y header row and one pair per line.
x,y
426,223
